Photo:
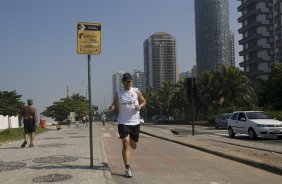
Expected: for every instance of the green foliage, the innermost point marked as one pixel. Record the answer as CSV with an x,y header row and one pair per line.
x,y
10,103
224,91
62,108
14,134
276,114
271,96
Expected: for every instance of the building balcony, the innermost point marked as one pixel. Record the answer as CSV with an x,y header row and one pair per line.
x,y
252,61
247,3
249,26
253,49
254,36
247,15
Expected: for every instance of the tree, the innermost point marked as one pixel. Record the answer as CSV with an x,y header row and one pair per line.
x,y
273,88
10,103
62,108
236,91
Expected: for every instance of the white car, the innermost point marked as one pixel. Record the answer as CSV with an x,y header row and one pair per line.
x,y
255,124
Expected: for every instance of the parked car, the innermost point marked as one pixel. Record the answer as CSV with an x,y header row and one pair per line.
x,y
159,119
255,124
221,120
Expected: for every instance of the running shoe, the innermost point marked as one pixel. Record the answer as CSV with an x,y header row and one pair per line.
x,y
23,144
128,173
31,145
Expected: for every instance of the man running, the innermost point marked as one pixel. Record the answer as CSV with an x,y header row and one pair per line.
x,y
130,101
29,115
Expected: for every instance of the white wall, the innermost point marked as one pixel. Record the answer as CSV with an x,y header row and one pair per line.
x,y
8,122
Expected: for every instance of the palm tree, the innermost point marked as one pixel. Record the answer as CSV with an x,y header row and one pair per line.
x,y
236,89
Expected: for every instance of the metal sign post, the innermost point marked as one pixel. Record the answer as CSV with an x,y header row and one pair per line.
x,y
191,93
89,43
90,112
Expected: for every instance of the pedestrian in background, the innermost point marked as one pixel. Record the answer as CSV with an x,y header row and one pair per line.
x,y
30,118
130,101
68,120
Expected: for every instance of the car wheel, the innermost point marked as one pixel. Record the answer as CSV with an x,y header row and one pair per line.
x,y
279,137
252,134
216,125
230,132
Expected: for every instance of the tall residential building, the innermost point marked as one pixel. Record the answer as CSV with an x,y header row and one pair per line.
x,y
139,80
212,35
231,48
258,40
159,59
117,81
277,16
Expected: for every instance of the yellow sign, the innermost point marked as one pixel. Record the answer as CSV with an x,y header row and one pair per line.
x,y
88,38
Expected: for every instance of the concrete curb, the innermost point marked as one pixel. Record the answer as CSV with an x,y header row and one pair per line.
x,y
253,163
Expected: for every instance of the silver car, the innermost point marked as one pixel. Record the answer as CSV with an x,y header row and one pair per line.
x,y
255,124
221,120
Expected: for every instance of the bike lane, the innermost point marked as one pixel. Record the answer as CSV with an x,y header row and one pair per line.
x,y
158,161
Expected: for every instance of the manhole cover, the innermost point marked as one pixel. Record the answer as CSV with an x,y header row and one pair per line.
x,y
55,159
52,178
52,145
9,166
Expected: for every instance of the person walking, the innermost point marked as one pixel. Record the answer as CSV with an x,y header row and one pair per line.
x,y
30,118
130,101
68,120
103,117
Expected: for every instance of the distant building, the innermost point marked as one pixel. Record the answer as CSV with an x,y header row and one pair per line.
x,y
184,75
139,80
159,59
213,38
277,16
258,39
117,81
231,49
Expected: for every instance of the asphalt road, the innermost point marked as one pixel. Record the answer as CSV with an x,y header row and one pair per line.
x,y
186,130
158,161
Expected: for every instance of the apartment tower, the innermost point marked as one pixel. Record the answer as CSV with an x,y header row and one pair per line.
x,y
159,59
213,37
257,37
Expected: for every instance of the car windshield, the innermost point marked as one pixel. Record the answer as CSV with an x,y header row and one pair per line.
x,y
258,115
227,115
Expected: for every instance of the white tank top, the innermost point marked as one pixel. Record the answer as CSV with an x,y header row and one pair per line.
x,y
127,102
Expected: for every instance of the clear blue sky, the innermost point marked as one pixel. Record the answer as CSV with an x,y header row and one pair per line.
x,y
38,55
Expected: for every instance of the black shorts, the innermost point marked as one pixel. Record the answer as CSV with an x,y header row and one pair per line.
x,y
132,130
29,125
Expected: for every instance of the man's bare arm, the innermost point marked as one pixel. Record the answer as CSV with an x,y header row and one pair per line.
x,y
114,103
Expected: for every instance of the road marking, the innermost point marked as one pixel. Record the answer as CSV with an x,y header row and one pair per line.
x,y
221,134
107,135
103,128
213,135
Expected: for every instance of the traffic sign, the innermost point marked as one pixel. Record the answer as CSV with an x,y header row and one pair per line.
x,y
88,38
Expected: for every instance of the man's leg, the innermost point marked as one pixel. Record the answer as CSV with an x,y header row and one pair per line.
x,y
125,150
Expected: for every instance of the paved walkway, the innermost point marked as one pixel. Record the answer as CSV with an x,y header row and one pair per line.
x,y
65,155
62,156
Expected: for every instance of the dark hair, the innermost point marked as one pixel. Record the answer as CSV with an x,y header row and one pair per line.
x,y
29,101
126,76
